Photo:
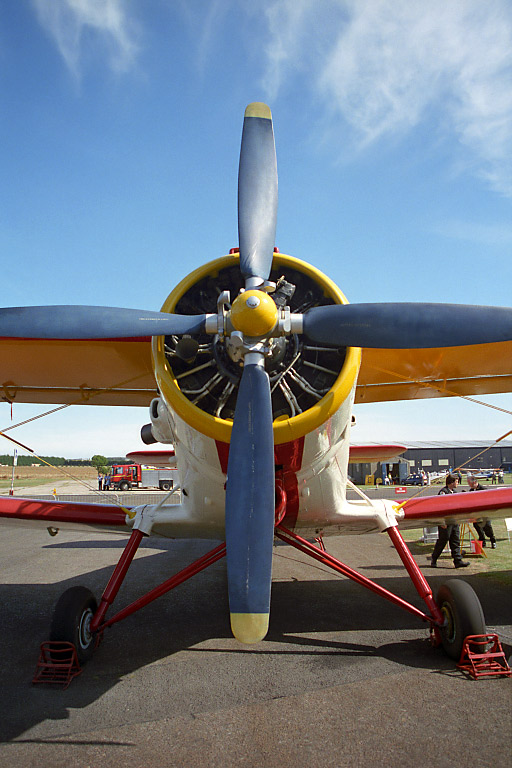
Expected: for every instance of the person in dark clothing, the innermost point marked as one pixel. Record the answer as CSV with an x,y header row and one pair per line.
x,y
449,533
485,528
474,485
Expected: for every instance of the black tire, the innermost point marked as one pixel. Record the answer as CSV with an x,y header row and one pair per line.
x,y
72,618
463,613
124,486
165,485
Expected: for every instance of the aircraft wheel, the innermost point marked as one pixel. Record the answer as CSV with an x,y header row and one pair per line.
x,y
461,608
71,621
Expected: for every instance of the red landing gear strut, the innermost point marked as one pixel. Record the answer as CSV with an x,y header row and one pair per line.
x,y
98,624
435,618
453,616
77,618
456,613
82,623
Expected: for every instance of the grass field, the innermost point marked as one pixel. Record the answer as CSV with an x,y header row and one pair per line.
x,y
497,565
507,478
29,477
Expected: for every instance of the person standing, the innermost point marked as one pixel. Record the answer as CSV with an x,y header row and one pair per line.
x,y
484,528
449,533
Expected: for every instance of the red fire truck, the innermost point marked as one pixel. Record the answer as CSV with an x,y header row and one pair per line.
x,y
127,477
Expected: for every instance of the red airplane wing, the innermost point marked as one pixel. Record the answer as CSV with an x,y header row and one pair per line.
x,y
457,508
62,514
359,453
153,458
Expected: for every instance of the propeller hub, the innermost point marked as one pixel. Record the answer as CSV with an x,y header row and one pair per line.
x,y
254,313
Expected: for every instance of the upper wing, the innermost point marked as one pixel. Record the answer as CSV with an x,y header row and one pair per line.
x,y
409,374
457,508
64,514
96,372
120,372
359,453
165,459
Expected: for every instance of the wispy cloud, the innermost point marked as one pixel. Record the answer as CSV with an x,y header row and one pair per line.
x,y
204,22
382,67
487,234
69,21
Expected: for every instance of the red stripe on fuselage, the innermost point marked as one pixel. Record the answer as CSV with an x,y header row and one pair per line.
x,y
288,461
289,457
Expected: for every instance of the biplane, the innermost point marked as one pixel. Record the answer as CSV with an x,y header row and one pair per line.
x,y
250,371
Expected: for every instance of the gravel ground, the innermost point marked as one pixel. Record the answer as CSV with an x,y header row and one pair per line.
x,y
343,678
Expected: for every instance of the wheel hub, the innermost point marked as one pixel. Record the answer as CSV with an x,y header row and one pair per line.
x,y
85,635
448,627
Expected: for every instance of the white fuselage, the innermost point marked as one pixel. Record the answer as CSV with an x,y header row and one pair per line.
x,y
316,480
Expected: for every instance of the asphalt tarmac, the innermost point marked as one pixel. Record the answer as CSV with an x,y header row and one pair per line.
x,y
344,678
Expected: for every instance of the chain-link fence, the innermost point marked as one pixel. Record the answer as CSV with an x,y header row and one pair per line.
x,y
133,499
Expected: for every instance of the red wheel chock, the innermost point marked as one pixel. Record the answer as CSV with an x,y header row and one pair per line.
x,y
482,656
58,663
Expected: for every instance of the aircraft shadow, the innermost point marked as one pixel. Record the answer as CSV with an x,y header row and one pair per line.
x,y
197,613
118,543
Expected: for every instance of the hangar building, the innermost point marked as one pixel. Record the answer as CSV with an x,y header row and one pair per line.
x,y
438,457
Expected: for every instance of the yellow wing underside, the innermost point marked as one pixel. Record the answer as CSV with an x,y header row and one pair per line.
x,y
106,372
411,374
117,372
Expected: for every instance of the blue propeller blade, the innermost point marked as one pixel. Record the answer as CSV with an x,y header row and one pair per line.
x,y
257,193
82,322
250,507
407,326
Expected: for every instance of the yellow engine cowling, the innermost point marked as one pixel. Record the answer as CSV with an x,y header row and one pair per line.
x,y
309,382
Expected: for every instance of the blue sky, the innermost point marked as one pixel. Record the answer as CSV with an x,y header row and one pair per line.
x,y
119,143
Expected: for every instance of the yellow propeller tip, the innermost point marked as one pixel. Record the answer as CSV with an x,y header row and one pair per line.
x,y
249,627
258,109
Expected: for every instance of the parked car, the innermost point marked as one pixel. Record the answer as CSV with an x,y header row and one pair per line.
x,y
413,480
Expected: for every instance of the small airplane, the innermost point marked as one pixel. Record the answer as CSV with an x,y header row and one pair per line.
x,y
251,371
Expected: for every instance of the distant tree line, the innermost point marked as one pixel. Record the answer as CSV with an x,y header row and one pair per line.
x,y
27,461
60,461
